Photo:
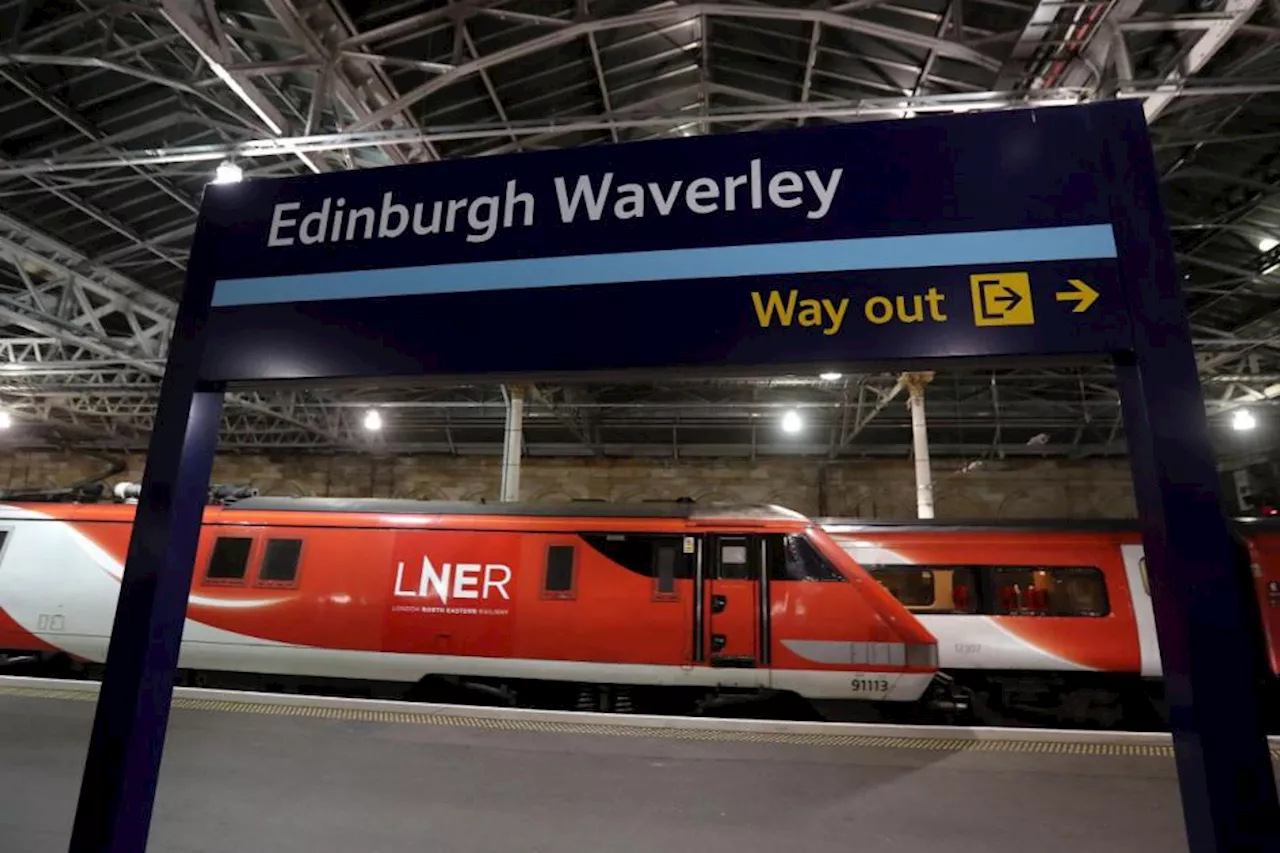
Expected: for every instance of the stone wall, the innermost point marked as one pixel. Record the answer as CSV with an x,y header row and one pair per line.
x,y
869,489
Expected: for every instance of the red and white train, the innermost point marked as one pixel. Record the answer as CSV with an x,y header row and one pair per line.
x,y
663,607
1051,622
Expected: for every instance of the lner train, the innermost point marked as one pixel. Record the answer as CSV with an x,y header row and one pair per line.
x,y
1051,622
661,607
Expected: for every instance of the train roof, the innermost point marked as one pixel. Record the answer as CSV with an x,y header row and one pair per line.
x,y
1059,525
575,509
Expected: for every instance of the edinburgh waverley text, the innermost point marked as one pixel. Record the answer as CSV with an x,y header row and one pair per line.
x,y
586,198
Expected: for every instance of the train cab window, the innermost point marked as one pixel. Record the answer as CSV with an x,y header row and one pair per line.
x,y
793,558
280,562
665,556
230,559
559,577
1049,591
735,562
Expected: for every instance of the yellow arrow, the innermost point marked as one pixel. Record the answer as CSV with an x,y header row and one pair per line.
x,y
1083,295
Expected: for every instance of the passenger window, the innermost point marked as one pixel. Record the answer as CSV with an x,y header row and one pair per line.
x,y
793,558
930,589
230,559
997,590
280,562
911,586
1049,591
559,577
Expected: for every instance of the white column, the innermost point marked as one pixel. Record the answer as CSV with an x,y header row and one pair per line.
x,y
915,383
512,444
1244,490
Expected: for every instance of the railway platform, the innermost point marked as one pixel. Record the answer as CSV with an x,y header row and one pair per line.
x,y
320,775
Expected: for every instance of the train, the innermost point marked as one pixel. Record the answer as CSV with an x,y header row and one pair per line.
x,y
654,608
1051,622
664,607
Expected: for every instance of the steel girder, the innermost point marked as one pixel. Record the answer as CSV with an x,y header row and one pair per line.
x,y
97,322
297,84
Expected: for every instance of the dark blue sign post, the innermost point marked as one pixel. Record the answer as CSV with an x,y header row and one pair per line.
x,y
1015,235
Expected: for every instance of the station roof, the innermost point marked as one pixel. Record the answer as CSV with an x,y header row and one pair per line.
x,y
114,115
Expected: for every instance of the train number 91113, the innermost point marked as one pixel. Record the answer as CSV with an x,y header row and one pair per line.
x,y
870,685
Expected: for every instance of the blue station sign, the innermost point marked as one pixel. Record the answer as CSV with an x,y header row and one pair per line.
x,y
985,235
1013,235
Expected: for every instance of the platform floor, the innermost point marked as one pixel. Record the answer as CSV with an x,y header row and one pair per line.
x,y
238,780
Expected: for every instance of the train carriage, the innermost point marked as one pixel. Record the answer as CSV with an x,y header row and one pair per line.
x,y
578,606
1050,622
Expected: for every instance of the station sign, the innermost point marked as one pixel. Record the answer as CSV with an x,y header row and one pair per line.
x,y
985,235
1019,234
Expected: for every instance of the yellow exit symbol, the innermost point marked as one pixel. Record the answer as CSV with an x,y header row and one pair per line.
x,y
1002,299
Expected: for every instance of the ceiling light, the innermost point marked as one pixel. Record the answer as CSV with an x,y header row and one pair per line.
x,y
1243,420
791,422
228,173
372,421
830,376
1266,244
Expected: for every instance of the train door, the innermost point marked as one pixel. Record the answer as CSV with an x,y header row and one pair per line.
x,y
731,601
1135,567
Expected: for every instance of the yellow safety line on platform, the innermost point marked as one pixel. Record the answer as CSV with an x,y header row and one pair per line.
x,y
621,729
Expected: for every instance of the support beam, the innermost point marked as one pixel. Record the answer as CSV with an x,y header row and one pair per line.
x,y
664,15
64,111
1105,48
810,65
357,82
513,443
600,80
916,383
621,119
862,420
123,763
178,14
1234,14
55,303
1029,43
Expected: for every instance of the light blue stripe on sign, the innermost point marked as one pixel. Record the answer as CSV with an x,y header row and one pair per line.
x,y
870,253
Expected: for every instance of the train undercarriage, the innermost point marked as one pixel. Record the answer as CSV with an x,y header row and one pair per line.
x,y
963,698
